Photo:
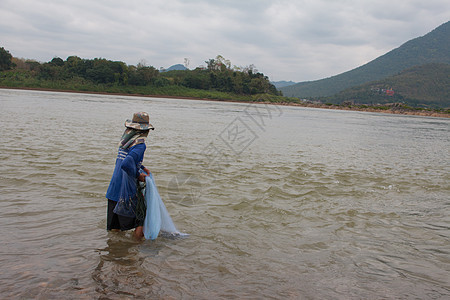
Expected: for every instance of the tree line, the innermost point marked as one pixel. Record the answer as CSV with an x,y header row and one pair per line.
x,y
218,74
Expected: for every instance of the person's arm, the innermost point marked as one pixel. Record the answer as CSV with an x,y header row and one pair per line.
x,y
130,162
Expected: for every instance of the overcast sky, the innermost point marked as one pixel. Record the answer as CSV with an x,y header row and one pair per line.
x,y
294,40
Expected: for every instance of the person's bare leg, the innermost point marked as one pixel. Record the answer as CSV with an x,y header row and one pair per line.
x,y
139,232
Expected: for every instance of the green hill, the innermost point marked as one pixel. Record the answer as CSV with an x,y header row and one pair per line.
x,y
280,84
177,67
430,48
427,86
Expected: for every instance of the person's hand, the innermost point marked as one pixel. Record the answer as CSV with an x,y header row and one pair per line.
x,y
147,171
142,177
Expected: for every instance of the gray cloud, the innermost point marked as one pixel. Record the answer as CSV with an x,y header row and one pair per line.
x,y
286,40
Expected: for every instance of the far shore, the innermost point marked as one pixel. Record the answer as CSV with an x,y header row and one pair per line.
x,y
393,110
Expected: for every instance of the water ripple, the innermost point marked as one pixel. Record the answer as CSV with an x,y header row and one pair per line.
x,y
321,205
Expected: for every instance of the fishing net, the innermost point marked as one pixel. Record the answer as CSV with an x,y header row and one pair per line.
x,y
157,218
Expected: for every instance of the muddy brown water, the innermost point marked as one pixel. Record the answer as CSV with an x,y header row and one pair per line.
x,y
279,202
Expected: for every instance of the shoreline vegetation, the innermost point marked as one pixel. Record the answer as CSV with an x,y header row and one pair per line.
x,y
218,80
394,108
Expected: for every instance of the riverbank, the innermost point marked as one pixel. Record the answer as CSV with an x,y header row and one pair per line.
x,y
391,110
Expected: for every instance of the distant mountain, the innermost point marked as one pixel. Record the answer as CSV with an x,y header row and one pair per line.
x,y
177,67
427,85
433,47
280,84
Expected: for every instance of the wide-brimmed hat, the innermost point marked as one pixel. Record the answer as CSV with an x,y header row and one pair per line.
x,y
140,121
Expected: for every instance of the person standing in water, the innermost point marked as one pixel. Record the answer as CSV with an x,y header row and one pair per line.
x,y
122,194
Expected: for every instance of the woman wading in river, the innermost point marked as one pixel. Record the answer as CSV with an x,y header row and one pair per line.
x,y
125,209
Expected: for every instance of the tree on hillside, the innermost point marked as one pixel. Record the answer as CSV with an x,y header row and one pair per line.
x,y
5,60
221,76
106,71
218,64
25,64
76,65
32,64
57,61
142,75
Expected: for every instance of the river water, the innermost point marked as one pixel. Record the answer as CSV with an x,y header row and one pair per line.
x,y
280,202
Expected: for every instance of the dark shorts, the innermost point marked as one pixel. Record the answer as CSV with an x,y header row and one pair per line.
x,y
114,221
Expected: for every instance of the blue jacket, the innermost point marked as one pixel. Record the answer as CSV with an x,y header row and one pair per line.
x,y
128,165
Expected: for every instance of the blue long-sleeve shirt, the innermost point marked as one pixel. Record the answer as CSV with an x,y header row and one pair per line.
x,y
128,162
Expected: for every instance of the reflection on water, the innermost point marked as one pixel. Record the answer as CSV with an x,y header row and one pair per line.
x,y
121,258
279,202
